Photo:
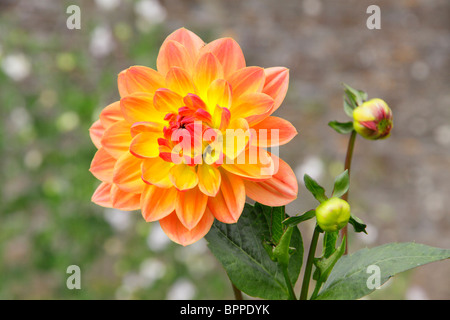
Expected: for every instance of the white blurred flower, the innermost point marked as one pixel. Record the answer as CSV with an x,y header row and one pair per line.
x,y
119,220
182,289
107,5
67,121
16,66
20,118
102,42
157,240
416,293
151,11
311,166
151,270
33,159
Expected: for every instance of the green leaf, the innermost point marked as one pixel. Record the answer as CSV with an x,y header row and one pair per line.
x,y
317,191
357,224
348,107
354,95
293,221
239,248
341,127
341,184
326,263
349,278
281,251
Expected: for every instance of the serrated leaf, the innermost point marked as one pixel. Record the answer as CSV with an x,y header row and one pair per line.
x,y
349,278
341,184
293,221
341,127
317,190
239,248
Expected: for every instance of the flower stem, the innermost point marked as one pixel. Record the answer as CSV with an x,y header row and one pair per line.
x,y
309,264
237,292
289,284
348,164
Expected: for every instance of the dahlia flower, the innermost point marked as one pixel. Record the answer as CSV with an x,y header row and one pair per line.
x,y
169,146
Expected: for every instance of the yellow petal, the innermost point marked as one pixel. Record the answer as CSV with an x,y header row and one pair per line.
x,y
209,179
183,177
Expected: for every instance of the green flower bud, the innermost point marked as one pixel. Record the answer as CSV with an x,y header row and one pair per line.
x,y
333,214
373,119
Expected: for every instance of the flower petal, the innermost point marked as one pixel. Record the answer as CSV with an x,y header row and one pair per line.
x,y
139,79
145,126
156,171
272,131
254,107
178,233
123,200
102,195
111,114
279,190
190,207
228,204
179,81
276,84
209,179
127,173
219,93
145,145
96,132
254,164
167,101
246,80
173,54
207,69
183,177
157,203
138,107
189,40
228,52
102,166
116,139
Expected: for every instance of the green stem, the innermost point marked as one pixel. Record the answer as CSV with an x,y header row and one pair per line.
x,y
289,284
348,164
309,264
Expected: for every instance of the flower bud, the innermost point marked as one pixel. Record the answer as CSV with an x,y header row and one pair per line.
x,y
333,214
373,119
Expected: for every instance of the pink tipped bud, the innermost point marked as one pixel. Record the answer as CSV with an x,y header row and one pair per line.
x,y
373,119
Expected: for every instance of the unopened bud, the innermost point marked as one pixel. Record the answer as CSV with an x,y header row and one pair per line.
x,y
333,214
373,119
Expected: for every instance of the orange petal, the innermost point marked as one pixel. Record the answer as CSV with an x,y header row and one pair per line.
x,y
178,233
111,114
156,171
246,80
229,54
254,164
167,101
209,179
279,190
276,84
117,138
272,131
145,145
237,137
102,195
190,207
228,204
157,203
102,166
219,93
123,200
189,40
96,132
138,107
183,177
139,79
173,54
254,107
179,81
127,173
207,69
145,126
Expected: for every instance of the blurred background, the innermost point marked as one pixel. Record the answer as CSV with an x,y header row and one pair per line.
x,y
54,82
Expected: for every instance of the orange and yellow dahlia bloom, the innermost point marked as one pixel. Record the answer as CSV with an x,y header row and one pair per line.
x,y
164,147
